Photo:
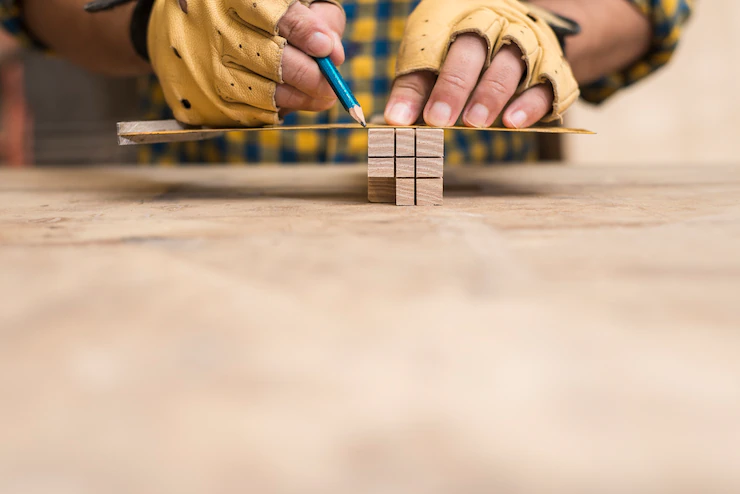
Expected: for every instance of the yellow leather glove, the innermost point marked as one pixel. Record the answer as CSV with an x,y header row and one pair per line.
x,y
219,61
435,24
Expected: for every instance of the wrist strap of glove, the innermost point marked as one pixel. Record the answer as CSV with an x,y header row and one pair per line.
x,y
139,20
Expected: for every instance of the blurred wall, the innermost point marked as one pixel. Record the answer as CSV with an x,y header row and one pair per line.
x,y
688,113
75,113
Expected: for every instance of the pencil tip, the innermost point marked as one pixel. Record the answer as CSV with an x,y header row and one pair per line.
x,y
357,113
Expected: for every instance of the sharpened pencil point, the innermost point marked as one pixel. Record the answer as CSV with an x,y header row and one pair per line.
x,y
357,113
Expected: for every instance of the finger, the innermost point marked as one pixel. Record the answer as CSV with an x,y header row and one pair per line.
x,y
495,88
302,72
456,80
306,31
529,108
335,18
408,97
288,97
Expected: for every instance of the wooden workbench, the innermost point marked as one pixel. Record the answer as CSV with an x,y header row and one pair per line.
x,y
549,329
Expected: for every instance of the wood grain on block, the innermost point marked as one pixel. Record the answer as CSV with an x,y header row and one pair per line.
x,y
380,167
430,143
381,143
429,192
381,189
406,142
405,167
405,191
429,167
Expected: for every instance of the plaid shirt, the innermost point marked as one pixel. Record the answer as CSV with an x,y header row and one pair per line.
x,y
373,34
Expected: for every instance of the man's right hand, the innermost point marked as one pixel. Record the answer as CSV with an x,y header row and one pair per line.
x,y
242,62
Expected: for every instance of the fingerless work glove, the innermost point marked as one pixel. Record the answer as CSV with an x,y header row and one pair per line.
x,y
435,24
218,61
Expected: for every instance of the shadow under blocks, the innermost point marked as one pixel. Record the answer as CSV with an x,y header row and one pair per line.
x,y
405,166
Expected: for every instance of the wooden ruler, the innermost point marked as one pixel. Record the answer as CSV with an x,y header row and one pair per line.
x,y
158,131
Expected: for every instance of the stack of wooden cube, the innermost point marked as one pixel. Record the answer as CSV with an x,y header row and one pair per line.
x,y
405,166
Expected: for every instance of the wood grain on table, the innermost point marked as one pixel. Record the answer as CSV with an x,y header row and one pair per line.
x,y
550,329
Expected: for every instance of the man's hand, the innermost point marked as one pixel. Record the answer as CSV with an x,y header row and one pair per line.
x,y
485,68
315,31
237,62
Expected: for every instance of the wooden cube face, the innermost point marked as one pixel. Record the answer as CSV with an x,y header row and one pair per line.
x,y
430,143
406,143
381,143
381,189
429,191
405,191
381,167
405,167
429,167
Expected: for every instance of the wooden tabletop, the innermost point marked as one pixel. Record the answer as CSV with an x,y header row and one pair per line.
x,y
549,329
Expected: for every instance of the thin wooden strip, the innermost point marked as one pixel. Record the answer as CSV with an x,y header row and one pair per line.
x,y
160,131
405,167
429,167
381,167
405,191
429,191
381,190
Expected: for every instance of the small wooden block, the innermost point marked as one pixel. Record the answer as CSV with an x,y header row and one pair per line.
x,y
405,167
381,143
430,143
405,143
405,191
381,189
429,191
380,167
429,167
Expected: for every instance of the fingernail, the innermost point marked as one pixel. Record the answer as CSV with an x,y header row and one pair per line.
x,y
320,44
478,116
440,114
517,119
400,114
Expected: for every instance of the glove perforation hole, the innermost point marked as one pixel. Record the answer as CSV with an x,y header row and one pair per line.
x,y
186,104
177,53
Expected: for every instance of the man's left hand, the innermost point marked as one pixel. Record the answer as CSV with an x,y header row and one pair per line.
x,y
484,69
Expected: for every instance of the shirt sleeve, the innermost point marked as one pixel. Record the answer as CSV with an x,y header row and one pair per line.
x,y
11,20
668,18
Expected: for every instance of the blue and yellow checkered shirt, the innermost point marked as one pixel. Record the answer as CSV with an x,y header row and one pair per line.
x,y
372,38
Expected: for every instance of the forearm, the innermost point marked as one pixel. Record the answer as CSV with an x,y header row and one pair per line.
x,y
614,34
98,42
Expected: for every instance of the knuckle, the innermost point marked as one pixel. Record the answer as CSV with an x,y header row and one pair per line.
x,y
452,80
495,87
298,27
411,85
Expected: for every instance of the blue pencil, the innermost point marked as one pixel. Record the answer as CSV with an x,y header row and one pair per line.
x,y
343,92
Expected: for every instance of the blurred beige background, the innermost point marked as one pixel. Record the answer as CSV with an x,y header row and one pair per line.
x,y
685,114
